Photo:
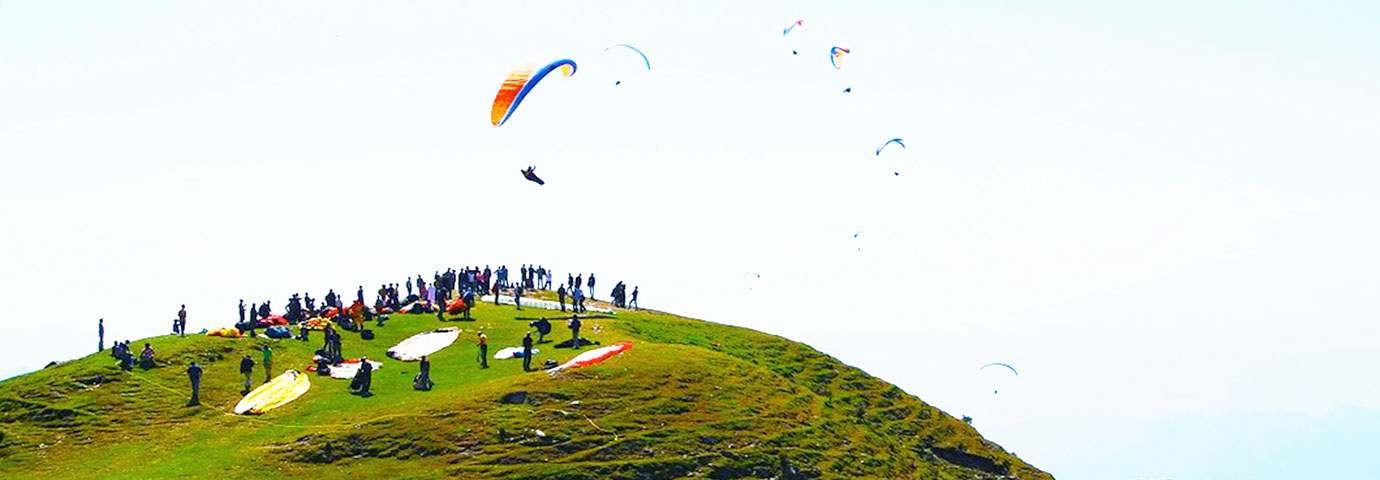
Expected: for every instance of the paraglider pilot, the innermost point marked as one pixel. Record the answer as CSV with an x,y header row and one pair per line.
x,y
531,175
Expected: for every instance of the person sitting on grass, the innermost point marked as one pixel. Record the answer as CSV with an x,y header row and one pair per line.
x,y
423,381
360,384
146,357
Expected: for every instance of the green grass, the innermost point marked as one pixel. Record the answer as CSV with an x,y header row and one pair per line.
x,y
692,399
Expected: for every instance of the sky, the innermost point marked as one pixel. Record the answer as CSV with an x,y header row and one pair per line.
x,y
1162,215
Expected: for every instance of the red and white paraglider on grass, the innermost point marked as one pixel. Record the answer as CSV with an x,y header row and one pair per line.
x,y
593,357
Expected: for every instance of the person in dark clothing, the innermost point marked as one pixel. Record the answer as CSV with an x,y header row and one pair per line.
x,y
359,296
517,296
495,294
579,282
560,296
633,302
575,331
182,321
469,302
126,357
570,280
543,327
423,381
409,286
100,330
363,379
246,369
194,374
527,352
591,286
146,357
241,310
483,350
268,363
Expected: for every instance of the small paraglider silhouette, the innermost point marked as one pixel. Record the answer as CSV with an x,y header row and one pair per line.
x,y
531,175
849,89
788,29
639,53
998,364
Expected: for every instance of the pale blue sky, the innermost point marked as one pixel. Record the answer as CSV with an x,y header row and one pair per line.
x,y
1162,214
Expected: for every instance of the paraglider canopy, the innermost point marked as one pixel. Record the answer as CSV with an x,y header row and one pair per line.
x,y
835,53
889,142
635,50
519,83
788,29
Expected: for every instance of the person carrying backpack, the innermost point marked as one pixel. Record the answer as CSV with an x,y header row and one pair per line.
x,y
246,369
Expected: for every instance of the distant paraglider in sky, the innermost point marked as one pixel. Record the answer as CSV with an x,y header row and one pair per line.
x,y
883,147
998,364
835,54
639,53
531,175
519,83
849,89
788,29
750,280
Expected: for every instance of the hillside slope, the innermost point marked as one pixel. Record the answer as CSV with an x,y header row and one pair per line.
x,y
692,399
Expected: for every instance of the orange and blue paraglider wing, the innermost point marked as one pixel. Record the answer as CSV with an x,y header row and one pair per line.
x,y
520,83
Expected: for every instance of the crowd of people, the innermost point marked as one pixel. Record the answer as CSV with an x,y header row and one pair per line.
x,y
451,291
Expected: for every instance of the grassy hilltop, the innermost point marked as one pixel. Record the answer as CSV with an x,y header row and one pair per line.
x,y
692,399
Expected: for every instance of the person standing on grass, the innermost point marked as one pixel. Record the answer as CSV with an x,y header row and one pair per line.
x,y
241,310
591,286
560,296
182,321
527,352
633,303
517,296
100,331
483,350
268,363
575,331
246,369
194,374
